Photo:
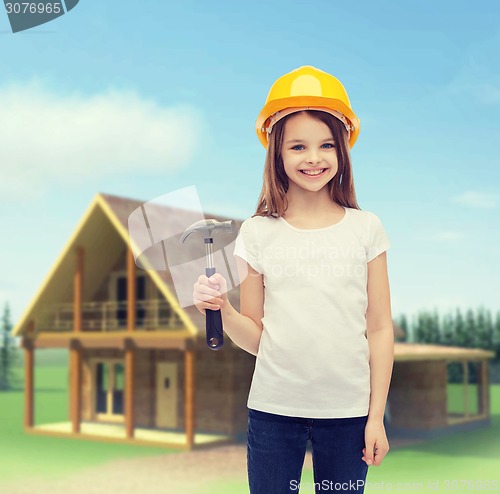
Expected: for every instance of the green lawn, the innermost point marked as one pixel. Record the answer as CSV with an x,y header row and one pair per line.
x,y
47,456
464,457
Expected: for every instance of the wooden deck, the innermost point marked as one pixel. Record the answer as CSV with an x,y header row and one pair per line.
x,y
142,436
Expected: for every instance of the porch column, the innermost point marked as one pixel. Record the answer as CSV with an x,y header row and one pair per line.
x,y
75,358
29,358
129,348
131,288
74,348
189,405
465,367
129,388
483,395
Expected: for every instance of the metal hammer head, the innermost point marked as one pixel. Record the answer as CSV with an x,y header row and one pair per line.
x,y
207,226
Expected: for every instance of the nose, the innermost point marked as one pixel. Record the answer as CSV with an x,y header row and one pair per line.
x,y
314,157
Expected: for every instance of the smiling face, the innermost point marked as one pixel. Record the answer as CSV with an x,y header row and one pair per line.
x,y
308,145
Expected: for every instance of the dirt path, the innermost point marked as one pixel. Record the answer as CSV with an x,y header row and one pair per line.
x,y
185,472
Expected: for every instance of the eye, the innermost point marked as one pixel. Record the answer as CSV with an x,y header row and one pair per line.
x,y
326,144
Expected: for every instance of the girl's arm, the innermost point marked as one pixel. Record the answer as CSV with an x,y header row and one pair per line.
x,y
245,329
380,334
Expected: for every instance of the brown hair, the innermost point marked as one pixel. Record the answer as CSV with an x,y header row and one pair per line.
x,y
273,201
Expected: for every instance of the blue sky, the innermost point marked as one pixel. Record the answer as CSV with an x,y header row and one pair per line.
x,y
142,98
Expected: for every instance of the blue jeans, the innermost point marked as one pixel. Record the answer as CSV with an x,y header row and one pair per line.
x,y
276,448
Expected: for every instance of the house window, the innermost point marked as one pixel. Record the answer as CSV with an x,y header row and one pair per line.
x,y
121,297
101,387
118,388
465,390
109,388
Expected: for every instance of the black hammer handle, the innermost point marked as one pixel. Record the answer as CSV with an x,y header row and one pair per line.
x,y
215,333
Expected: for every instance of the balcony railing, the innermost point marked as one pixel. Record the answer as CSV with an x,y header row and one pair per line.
x,y
110,316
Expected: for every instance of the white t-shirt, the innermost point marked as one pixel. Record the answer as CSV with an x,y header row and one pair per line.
x,y
313,358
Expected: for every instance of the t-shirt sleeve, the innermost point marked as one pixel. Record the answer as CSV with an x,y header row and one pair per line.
x,y
378,240
246,245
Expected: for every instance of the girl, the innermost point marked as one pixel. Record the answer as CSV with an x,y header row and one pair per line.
x,y
315,298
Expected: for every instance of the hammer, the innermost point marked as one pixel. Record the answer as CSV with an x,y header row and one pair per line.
x,y
215,333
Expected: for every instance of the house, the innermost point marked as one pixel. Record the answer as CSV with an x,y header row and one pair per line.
x,y
420,403
140,369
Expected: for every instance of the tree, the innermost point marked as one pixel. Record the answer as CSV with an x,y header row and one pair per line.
x,y
8,353
427,327
470,333
484,331
434,326
496,336
403,324
460,336
448,330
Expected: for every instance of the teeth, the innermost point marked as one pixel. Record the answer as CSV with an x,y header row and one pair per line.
x,y
312,173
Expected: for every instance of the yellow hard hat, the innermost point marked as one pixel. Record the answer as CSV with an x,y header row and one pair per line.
x,y
302,89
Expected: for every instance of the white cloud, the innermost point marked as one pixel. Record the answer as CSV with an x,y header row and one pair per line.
x,y
47,137
483,91
477,78
488,92
475,199
448,235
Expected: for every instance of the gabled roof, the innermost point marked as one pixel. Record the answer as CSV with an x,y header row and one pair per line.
x,y
103,230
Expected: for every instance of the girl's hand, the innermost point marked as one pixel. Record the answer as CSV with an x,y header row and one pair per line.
x,y
375,439
210,293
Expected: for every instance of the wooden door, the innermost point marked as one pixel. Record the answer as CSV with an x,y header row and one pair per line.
x,y
166,394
